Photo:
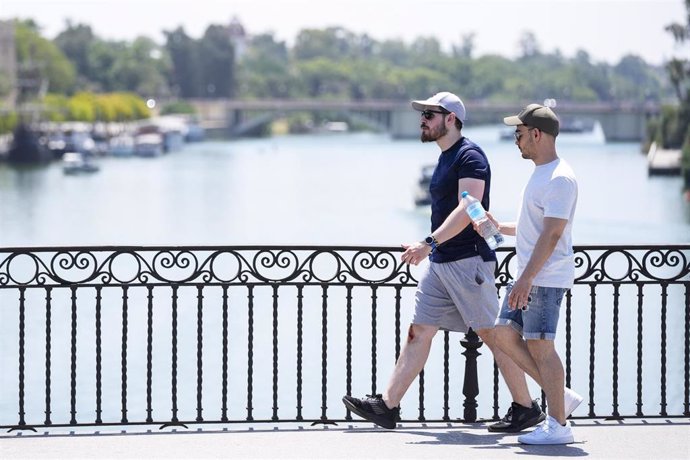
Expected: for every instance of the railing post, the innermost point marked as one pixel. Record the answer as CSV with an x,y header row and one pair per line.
x,y
470,387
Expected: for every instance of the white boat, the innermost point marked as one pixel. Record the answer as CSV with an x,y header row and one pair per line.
x,y
77,163
121,145
662,161
148,145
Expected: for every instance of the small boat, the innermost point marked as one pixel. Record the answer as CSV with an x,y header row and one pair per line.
x,y
663,162
422,196
121,145
77,163
148,145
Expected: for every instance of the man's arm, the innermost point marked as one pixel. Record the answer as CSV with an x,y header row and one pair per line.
x,y
458,219
506,228
553,229
454,223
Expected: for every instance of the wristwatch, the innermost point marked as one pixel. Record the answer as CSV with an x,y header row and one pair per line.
x,y
431,241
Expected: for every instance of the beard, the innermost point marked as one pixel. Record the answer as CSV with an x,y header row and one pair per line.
x,y
433,134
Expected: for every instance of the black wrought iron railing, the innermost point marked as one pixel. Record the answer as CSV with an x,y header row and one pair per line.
x,y
184,335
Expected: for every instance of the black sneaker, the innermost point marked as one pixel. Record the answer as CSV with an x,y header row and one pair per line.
x,y
373,408
518,418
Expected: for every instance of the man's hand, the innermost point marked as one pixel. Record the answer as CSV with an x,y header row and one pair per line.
x,y
491,218
519,295
415,252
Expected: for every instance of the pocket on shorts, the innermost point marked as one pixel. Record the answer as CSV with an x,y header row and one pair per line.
x,y
473,271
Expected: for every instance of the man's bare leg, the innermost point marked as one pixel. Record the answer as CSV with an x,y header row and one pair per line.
x,y
410,362
511,372
552,375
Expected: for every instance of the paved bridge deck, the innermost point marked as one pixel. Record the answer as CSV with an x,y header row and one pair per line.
x,y
594,439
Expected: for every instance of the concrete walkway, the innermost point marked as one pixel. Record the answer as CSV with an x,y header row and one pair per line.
x,y
594,439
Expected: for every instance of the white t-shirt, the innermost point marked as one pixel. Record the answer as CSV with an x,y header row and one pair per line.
x,y
550,192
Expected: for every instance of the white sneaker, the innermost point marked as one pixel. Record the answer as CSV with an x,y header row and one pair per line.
x,y
549,432
571,401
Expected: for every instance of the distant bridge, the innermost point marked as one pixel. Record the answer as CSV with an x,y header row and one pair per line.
x,y
232,117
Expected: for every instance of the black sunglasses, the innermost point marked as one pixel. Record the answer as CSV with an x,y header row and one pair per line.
x,y
518,134
429,114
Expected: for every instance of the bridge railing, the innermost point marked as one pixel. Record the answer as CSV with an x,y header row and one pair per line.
x,y
181,335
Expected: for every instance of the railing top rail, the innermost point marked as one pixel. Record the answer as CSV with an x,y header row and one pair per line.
x,y
124,248
339,265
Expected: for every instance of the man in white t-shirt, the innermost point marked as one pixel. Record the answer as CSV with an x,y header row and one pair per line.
x,y
545,270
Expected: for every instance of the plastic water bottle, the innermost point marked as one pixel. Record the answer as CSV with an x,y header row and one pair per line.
x,y
486,228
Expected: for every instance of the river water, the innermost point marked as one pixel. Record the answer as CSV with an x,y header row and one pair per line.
x,y
317,189
338,189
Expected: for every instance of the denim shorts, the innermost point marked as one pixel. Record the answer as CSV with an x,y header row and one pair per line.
x,y
540,319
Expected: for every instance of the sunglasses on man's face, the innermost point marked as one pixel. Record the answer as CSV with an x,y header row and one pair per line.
x,y
430,114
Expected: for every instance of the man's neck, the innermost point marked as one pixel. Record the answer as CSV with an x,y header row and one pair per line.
x,y
448,140
546,158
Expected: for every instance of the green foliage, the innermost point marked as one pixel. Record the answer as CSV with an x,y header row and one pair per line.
x,y
91,107
331,63
201,68
8,121
41,63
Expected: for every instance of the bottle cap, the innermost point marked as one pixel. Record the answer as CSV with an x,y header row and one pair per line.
x,y
464,194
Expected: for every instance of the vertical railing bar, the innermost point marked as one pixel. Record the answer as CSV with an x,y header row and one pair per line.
x,y
173,334
614,381
446,375
398,290
48,355
199,352
568,337
592,330
348,347
250,350
664,300
22,357
149,355
324,352
99,357
275,353
497,406
496,382
373,339
73,359
224,390
640,298
300,313
125,307
421,417
686,403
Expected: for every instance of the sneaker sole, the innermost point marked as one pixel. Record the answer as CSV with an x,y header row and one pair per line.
x,y
547,442
380,421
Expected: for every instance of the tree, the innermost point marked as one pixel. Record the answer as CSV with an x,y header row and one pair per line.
x,y
75,42
185,78
679,73
217,58
41,64
528,44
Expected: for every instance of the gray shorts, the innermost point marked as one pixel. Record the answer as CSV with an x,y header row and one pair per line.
x,y
457,295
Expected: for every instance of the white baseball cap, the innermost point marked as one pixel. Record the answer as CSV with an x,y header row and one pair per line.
x,y
449,102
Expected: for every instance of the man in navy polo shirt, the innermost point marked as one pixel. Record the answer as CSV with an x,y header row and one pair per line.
x,y
457,290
